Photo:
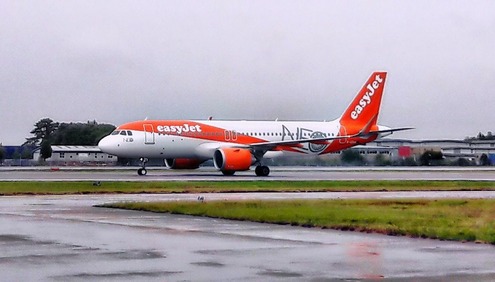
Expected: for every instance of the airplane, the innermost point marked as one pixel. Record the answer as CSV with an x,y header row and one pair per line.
x,y
238,145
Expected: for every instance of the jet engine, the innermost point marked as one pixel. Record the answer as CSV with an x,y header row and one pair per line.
x,y
182,163
232,159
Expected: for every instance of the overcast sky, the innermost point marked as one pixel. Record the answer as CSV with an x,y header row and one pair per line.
x,y
120,61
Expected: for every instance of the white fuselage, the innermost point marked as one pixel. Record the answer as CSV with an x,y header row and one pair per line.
x,y
194,139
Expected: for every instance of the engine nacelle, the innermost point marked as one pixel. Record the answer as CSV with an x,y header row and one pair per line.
x,y
232,159
182,163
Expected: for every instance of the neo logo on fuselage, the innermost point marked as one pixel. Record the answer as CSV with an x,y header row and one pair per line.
x,y
366,98
305,133
179,129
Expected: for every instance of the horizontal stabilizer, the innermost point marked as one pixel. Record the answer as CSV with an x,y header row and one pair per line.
x,y
381,131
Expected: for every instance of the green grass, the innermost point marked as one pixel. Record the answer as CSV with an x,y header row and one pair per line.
x,y
46,188
460,220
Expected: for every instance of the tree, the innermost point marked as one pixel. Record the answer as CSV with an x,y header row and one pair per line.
x,y
46,150
410,161
431,158
489,136
380,160
481,136
2,153
84,134
463,162
87,134
26,152
43,131
484,160
352,157
16,154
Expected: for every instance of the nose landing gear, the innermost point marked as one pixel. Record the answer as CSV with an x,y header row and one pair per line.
x,y
142,170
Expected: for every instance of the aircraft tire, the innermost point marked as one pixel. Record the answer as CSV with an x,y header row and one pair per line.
x,y
228,172
142,171
262,170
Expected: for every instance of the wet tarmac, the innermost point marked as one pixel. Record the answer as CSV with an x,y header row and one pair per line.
x,y
278,173
65,238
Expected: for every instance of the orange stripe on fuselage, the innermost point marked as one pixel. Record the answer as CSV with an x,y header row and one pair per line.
x,y
191,129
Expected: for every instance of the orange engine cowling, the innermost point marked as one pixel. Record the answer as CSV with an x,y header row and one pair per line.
x,y
232,159
182,163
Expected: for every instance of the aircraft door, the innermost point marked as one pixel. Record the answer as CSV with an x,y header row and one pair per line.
x,y
149,135
230,135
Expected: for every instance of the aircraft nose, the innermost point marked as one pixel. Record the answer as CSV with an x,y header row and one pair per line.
x,y
105,144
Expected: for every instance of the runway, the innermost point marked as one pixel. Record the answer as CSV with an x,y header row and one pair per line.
x,y
278,173
65,238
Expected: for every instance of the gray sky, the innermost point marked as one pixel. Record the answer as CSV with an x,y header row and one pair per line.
x,y
119,61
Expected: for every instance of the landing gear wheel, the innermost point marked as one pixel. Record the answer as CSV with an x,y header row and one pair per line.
x,y
262,170
142,170
228,172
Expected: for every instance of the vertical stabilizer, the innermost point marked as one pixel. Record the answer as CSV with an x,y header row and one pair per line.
x,y
362,113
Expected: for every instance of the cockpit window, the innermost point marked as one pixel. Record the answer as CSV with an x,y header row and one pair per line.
x,y
116,132
123,132
129,133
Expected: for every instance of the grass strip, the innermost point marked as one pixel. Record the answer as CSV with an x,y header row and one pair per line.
x,y
69,187
450,219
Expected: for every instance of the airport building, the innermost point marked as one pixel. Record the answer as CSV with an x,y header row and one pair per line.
x,y
17,155
77,155
395,151
451,149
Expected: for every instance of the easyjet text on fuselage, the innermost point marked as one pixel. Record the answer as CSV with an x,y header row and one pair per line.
x,y
179,129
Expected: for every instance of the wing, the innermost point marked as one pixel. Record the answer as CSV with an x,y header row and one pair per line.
x,y
265,146
323,140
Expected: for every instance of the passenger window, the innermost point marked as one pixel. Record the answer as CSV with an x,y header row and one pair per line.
x,y
129,133
123,132
116,132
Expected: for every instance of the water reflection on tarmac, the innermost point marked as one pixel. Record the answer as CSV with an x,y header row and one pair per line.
x,y
64,238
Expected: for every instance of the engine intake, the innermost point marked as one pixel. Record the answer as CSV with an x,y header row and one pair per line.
x,y
232,159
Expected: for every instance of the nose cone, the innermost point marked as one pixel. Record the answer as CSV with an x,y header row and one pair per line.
x,y
106,145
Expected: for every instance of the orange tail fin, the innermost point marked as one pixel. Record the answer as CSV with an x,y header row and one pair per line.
x,y
362,113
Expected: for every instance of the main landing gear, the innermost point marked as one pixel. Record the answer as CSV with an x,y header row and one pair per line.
x,y
142,170
262,170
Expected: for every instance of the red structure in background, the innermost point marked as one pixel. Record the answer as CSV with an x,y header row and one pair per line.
x,y
405,151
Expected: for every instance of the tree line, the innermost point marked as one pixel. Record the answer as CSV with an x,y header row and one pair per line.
x,y
489,136
47,132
